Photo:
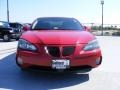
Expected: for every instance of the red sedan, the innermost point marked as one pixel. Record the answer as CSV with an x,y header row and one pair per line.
x,y
58,44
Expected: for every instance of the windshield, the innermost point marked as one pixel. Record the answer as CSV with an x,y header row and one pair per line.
x,y
56,24
15,25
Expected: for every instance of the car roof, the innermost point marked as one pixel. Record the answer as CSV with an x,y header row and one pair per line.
x,y
55,18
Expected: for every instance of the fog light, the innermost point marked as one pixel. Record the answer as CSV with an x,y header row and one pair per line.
x,y
20,61
98,61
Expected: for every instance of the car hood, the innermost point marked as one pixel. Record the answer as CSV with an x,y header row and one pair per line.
x,y
50,37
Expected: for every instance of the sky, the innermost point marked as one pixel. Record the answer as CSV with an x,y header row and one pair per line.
x,y
86,11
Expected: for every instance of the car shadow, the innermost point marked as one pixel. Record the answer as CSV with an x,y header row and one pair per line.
x,y
11,77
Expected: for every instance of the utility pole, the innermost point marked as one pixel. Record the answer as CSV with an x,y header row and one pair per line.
x,y
102,3
8,11
92,25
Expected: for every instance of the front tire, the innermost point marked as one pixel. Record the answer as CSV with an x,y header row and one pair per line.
x,y
6,38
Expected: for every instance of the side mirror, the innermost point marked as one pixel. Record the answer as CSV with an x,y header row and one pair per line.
x,y
87,28
26,27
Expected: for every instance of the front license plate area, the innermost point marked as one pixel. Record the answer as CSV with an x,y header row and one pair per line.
x,y
60,64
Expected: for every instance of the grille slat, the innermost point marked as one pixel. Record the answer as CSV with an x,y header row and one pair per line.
x,y
54,51
68,50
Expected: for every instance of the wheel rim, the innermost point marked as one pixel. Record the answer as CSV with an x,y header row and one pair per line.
x,y
6,37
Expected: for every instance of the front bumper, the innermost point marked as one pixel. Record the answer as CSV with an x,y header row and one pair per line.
x,y
79,60
15,35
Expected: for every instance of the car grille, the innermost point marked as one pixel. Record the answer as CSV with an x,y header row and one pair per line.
x,y
54,51
16,30
68,50
60,51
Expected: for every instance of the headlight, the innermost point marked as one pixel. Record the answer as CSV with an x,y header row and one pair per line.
x,y
23,44
91,45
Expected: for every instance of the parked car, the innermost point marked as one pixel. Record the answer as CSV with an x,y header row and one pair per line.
x,y
116,33
7,32
58,44
17,28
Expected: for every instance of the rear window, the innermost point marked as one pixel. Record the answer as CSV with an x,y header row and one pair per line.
x,y
56,24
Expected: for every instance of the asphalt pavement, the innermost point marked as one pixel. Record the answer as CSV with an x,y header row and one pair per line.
x,y
106,76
